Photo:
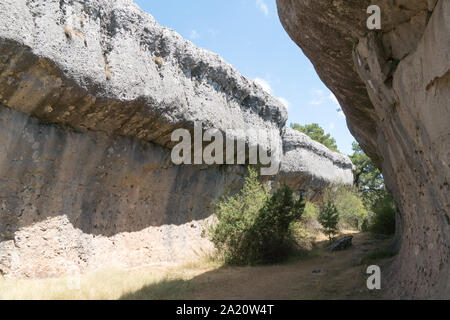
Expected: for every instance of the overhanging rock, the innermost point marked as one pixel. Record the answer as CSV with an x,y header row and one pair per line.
x,y
310,166
90,93
394,86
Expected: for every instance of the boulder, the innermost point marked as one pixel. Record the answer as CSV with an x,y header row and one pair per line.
x,y
341,244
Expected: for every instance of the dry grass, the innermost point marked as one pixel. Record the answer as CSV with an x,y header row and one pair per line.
x,y
109,284
319,275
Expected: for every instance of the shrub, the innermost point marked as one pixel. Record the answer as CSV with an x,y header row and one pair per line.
x,y
254,227
351,210
269,238
349,205
235,215
365,225
329,218
383,215
311,210
305,232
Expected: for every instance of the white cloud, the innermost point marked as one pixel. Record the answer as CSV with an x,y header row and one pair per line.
x,y
333,98
194,35
316,102
318,92
264,84
336,102
285,102
263,7
331,126
213,32
266,87
318,97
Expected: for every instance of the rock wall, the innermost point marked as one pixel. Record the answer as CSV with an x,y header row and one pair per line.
x,y
394,87
73,201
90,93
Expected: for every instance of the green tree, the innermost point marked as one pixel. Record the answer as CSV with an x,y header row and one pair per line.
x,y
236,214
253,226
367,178
351,210
270,236
315,132
369,182
384,216
329,218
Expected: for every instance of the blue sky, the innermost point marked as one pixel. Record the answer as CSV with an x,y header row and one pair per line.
x,y
249,35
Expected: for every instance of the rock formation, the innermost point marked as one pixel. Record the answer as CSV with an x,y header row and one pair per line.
x,y
341,244
394,87
309,165
90,93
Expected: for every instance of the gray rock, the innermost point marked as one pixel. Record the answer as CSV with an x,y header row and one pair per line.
x,y
340,244
108,66
309,165
393,86
78,202
90,92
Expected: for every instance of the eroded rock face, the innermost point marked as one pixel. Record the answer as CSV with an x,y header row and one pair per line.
x,y
394,87
108,66
310,166
90,93
72,201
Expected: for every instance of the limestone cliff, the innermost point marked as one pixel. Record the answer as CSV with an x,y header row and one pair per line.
x,y
394,87
309,165
90,93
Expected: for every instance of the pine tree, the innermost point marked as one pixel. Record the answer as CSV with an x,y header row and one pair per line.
x,y
329,218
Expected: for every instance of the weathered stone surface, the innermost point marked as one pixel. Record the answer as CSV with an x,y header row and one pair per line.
x,y
90,92
394,88
108,66
310,166
81,201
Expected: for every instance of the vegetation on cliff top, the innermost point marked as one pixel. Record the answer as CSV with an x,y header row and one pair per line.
x,y
316,132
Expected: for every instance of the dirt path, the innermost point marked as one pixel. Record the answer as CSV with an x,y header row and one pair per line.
x,y
321,275
339,275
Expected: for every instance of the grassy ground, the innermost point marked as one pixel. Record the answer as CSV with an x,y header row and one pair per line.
x,y
316,275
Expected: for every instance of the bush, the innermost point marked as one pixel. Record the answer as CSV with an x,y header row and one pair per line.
x,y
383,220
349,205
235,216
254,227
329,218
311,210
269,238
351,210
